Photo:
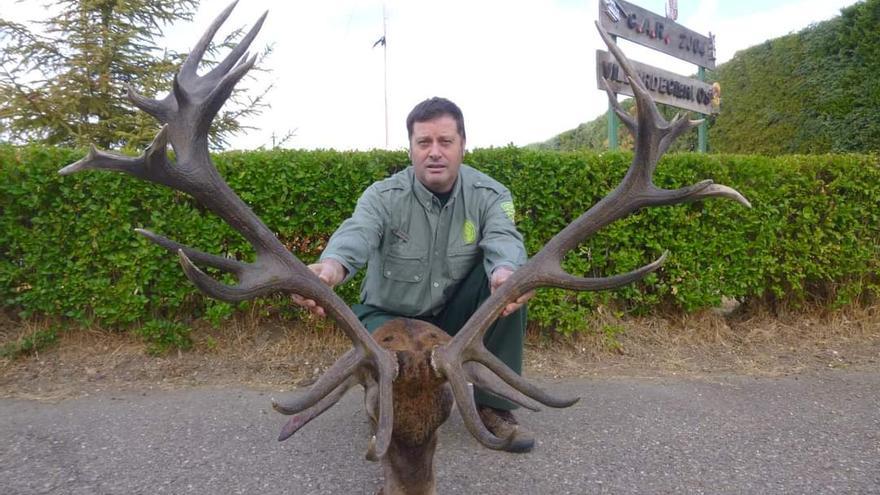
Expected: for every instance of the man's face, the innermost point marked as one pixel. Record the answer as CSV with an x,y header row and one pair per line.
x,y
436,151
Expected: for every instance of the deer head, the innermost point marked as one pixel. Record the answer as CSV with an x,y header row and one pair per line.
x,y
410,370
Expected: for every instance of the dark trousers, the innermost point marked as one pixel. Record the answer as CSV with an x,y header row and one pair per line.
x,y
504,338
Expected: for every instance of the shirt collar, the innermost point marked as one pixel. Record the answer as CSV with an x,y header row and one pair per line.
x,y
426,197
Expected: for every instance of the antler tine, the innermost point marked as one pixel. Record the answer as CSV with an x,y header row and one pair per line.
x,y
482,377
262,284
295,423
238,52
653,136
470,416
188,111
720,191
480,355
680,124
330,387
190,66
159,109
227,265
562,280
221,92
626,118
150,165
341,370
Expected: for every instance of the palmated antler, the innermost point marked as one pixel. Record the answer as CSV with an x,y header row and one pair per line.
x,y
187,113
456,360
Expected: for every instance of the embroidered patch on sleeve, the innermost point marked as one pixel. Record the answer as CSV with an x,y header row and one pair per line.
x,y
509,210
469,232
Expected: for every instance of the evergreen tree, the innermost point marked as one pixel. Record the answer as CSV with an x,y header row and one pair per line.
x,y
67,85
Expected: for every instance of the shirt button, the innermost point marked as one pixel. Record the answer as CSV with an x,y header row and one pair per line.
x,y
417,277
436,284
387,274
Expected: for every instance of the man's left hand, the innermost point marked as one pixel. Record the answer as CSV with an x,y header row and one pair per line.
x,y
499,276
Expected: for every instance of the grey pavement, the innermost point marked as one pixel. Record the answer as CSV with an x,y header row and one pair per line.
x,y
805,434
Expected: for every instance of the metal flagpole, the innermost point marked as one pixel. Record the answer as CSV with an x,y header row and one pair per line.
x,y
385,66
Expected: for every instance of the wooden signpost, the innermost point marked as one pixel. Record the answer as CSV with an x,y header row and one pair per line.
x,y
631,22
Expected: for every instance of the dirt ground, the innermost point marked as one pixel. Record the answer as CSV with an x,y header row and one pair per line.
x,y
282,355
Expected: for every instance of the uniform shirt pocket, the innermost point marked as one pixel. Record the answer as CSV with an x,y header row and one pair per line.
x,y
403,269
462,260
402,290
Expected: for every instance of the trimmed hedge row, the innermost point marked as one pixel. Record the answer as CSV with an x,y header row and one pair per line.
x,y
813,235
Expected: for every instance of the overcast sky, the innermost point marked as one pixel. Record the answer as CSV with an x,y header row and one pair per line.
x,y
522,71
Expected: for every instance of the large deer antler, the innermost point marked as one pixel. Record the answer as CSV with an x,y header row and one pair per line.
x,y
457,359
187,113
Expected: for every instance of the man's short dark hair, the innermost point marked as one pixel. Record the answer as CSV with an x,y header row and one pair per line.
x,y
433,108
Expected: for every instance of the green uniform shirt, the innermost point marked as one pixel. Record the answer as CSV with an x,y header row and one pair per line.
x,y
416,250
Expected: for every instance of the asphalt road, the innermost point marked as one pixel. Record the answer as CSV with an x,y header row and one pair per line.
x,y
807,434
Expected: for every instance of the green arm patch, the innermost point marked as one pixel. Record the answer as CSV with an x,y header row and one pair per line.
x,y
509,210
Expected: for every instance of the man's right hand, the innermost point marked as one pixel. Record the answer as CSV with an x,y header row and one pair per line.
x,y
331,272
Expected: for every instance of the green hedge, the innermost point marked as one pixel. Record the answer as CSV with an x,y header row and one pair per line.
x,y
69,250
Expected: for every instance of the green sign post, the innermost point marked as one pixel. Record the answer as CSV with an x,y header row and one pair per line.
x,y
703,130
612,121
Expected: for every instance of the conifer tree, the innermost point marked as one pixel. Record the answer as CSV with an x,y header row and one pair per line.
x,y
66,83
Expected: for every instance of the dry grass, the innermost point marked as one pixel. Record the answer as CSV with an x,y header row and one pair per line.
x,y
273,354
281,354
753,342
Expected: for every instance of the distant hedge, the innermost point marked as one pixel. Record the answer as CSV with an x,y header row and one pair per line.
x,y
68,248
814,91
